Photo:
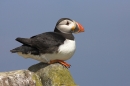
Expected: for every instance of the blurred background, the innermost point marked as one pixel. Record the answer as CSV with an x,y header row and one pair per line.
x,y
102,57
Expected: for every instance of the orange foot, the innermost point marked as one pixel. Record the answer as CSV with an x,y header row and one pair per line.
x,y
61,62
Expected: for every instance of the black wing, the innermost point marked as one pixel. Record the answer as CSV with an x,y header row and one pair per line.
x,y
46,42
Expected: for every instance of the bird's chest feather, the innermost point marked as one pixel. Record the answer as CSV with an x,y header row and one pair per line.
x,y
65,51
68,47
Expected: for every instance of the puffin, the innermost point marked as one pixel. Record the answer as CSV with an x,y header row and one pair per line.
x,y
51,47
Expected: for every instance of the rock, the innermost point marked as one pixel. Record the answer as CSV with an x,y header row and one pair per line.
x,y
53,75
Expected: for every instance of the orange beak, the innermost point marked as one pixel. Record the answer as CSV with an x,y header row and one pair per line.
x,y
80,27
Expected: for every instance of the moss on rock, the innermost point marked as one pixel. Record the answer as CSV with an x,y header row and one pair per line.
x,y
37,80
53,75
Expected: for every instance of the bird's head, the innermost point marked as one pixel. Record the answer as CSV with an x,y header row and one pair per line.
x,y
66,25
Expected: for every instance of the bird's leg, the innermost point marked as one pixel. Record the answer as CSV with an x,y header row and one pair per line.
x,y
61,62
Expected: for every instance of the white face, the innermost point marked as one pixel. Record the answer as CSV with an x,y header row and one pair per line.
x,y
66,26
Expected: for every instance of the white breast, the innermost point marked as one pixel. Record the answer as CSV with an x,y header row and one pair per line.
x,y
65,52
67,49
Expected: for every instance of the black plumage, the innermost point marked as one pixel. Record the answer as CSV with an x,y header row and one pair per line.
x,y
43,43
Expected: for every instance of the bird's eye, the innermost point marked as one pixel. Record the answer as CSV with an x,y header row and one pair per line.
x,y
67,23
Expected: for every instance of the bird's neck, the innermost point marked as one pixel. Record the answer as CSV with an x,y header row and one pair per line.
x,y
66,35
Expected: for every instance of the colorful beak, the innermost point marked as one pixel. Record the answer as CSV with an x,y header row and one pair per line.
x,y
78,28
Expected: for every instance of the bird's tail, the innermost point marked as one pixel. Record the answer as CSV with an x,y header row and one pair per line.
x,y
25,41
15,50
25,49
